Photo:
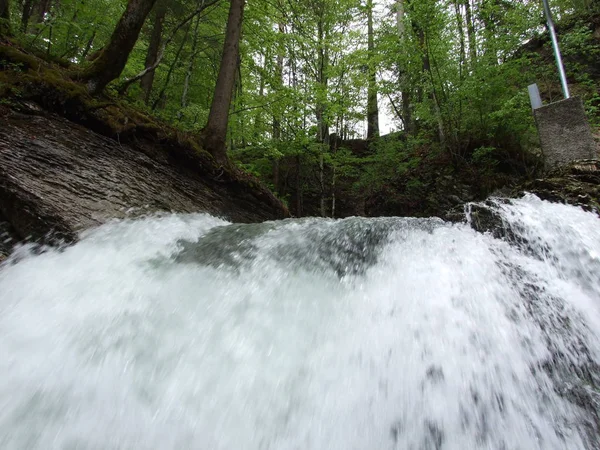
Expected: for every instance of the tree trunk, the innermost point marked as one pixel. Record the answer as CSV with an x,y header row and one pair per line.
x,y
372,109
471,33
237,102
42,8
26,14
147,80
426,61
88,46
461,35
276,114
405,92
322,81
111,62
333,193
49,47
440,120
4,18
258,126
298,187
161,99
215,132
400,12
322,180
161,52
190,69
333,177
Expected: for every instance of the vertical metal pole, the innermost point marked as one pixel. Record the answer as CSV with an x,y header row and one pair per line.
x,y
559,62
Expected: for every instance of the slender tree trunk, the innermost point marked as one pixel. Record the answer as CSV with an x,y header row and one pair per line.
x,y
215,132
433,96
161,96
238,103
322,80
111,62
26,14
258,116
49,47
461,35
276,114
298,187
4,18
190,68
147,80
457,116
402,75
406,111
400,13
440,121
161,52
88,46
322,180
42,8
372,109
471,33
276,175
333,176
69,49
333,193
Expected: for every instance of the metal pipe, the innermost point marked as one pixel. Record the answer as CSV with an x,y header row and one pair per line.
x,y
557,55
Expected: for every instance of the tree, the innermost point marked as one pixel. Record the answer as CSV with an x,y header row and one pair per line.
x,y
190,69
153,48
113,58
26,14
402,75
4,18
215,133
372,109
471,32
307,76
278,82
42,8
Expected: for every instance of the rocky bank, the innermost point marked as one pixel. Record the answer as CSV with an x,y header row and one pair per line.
x,y
70,161
576,184
58,178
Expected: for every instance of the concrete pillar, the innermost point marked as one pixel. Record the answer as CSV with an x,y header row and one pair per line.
x,y
565,133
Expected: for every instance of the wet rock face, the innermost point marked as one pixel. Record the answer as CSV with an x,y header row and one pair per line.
x,y
8,238
57,178
576,184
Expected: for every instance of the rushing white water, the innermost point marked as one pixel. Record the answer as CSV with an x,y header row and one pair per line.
x,y
184,332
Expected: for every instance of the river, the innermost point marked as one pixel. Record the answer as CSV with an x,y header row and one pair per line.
x,y
187,332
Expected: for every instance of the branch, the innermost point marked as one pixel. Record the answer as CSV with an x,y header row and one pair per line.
x,y
161,53
398,113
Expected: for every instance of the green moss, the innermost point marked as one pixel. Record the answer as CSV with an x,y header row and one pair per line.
x,y
11,57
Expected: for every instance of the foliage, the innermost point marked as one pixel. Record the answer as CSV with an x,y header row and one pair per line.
x,y
451,78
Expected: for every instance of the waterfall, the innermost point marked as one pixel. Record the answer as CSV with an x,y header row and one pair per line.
x,y
187,332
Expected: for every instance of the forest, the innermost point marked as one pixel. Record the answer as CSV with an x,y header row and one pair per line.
x,y
342,107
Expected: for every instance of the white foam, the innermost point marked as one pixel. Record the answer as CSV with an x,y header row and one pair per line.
x,y
120,343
